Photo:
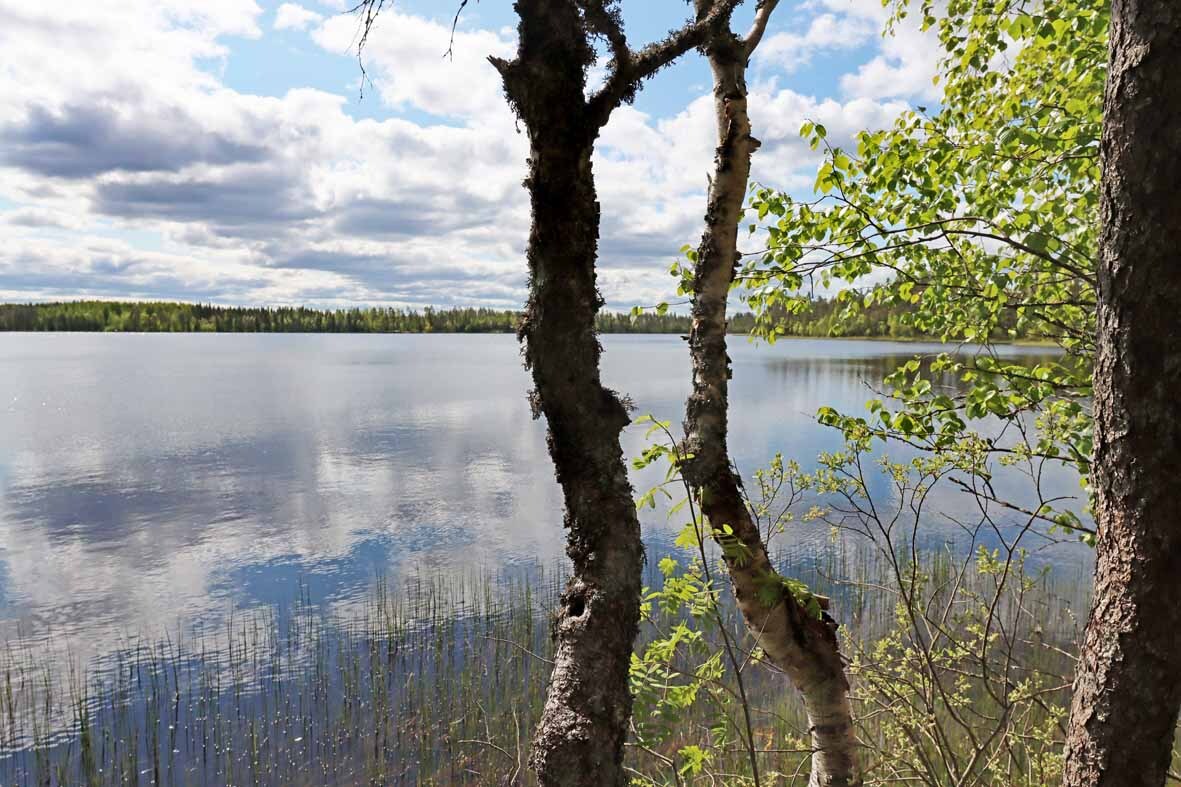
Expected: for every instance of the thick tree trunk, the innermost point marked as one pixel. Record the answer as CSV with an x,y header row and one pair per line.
x,y
1128,685
584,725
804,647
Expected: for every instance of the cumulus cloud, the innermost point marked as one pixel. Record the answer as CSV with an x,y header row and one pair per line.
x,y
291,16
669,160
101,267
281,199
826,32
130,168
404,54
906,61
42,219
905,69
81,141
243,201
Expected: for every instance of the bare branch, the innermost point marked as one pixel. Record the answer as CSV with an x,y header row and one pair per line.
x,y
628,74
369,10
755,34
454,22
655,56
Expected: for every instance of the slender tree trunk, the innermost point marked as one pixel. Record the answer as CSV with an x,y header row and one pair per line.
x,y
584,725
580,738
804,647
1128,686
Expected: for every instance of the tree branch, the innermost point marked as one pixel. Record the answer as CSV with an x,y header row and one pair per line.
x,y
607,23
624,80
369,10
454,23
755,34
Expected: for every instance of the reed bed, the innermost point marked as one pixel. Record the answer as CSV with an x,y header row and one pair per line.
x,y
425,681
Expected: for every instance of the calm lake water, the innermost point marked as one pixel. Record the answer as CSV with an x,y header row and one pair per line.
x,y
151,481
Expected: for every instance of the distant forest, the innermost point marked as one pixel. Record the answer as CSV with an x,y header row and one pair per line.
x,y
823,318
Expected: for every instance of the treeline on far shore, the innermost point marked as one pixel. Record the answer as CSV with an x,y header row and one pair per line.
x,y
823,318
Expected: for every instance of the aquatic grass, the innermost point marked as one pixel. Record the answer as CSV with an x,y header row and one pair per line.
x,y
391,693
430,680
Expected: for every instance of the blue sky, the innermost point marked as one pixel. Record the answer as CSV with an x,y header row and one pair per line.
x,y
222,151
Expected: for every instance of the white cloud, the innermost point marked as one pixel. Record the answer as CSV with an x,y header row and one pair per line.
x,y
149,177
228,196
903,66
45,218
652,176
905,69
291,16
826,32
404,56
872,10
907,59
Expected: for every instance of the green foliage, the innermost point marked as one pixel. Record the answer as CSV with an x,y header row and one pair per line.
x,y
981,217
683,670
818,317
984,208
996,709
983,214
965,685
956,662
680,669
170,317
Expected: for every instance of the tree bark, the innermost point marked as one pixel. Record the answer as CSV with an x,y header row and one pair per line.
x,y
1128,683
580,738
804,647
584,724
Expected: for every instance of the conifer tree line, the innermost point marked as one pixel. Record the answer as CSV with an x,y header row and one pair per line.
x,y
822,318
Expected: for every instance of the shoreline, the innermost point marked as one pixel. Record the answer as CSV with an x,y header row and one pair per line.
x,y
788,337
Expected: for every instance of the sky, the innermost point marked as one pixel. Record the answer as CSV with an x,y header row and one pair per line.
x,y
224,151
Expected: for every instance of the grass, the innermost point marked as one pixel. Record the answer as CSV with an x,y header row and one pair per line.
x,y
397,692
429,682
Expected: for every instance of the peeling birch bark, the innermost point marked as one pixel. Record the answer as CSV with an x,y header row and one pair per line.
x,y
804,647
579,741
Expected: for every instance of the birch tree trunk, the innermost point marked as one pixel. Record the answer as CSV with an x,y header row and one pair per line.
x,y
804,647
580,739
1128,685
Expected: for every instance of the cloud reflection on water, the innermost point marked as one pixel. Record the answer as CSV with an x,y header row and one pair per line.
x,y
150,481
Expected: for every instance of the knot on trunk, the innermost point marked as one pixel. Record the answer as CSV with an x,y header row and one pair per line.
x,y
703,457
705,439
615,409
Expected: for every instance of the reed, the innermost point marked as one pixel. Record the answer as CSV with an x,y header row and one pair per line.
x,y
424,681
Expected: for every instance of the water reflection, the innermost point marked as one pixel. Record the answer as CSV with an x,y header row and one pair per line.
x,y
150,481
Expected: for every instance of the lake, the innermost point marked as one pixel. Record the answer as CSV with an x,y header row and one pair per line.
x,y
150,482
